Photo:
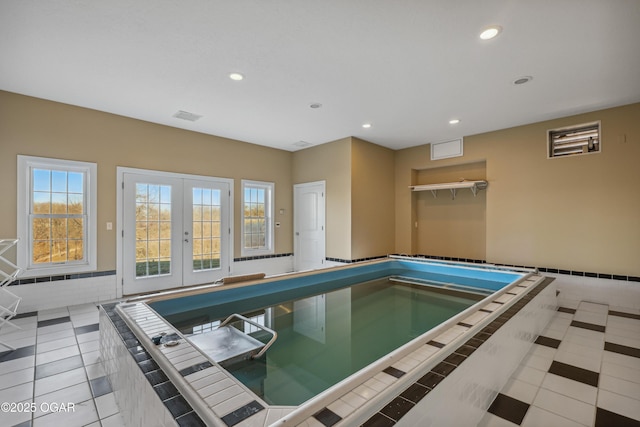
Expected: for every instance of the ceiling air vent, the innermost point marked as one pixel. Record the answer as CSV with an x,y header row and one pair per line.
x,y
302,144
185,115
580,139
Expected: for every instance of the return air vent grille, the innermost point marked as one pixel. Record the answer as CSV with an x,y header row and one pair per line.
x,y
185,115
581,139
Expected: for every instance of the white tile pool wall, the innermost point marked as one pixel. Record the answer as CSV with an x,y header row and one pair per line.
x,y
615,293
268,266
139,405
463,399
42,296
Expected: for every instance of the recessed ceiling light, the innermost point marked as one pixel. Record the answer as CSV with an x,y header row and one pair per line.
x,y
236,76
366,125
454,121
522,80
315,105
490,32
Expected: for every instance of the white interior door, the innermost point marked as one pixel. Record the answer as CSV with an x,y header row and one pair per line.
x,y
176,231
309,225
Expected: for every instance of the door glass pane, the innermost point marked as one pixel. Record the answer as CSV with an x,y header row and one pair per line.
x,y
153,230
206,229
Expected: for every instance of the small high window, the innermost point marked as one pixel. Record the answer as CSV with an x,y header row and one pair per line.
x,y
580,139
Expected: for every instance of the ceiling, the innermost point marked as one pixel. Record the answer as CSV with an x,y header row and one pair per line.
x,y
406,67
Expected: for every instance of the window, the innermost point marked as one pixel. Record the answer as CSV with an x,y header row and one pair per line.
x,y
56,216
580,139
257,214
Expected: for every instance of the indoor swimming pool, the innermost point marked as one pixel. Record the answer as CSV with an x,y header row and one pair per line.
x,y
328,333
322,339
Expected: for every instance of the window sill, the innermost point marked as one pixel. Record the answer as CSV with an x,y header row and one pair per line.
x,y
57,270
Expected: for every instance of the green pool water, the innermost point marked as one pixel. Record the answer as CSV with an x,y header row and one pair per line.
x,y
325,338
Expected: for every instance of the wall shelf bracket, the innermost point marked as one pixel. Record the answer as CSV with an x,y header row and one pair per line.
x,y
474,186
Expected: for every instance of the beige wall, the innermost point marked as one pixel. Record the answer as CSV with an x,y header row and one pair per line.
x,y
36,127
359,179
330,162
580,213
448,226
372,193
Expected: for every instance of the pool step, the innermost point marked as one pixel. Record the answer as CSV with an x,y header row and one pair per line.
x,y
228,344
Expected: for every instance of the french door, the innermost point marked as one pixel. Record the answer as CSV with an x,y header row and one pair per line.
x,y
176,231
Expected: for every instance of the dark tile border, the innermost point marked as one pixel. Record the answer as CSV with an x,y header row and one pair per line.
x,y
606,418
43,323
397,408
29,350
436,344
327,417
100,386
195,368
242,413
190,419
553,270
415,393
509,408
268,256
431,380
58,366
590,326
178,406
394,372
584,376
86,329
614,313
379,420
45,279
23,315
166,390
351,261
547,342
622,349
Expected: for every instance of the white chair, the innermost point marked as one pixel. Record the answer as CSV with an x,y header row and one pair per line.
x,y
9,301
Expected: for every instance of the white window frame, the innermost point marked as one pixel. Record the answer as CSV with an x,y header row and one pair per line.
x,y
90,170
269,188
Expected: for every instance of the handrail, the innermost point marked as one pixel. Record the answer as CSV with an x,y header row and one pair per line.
x,y
271,331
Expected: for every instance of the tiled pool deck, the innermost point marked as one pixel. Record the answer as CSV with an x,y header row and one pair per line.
x,y
584,370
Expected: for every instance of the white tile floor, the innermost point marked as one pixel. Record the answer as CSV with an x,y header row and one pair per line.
x,y
560,401
58,363
58,380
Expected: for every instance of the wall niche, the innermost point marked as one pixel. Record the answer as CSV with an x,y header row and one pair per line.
x,y
445,226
